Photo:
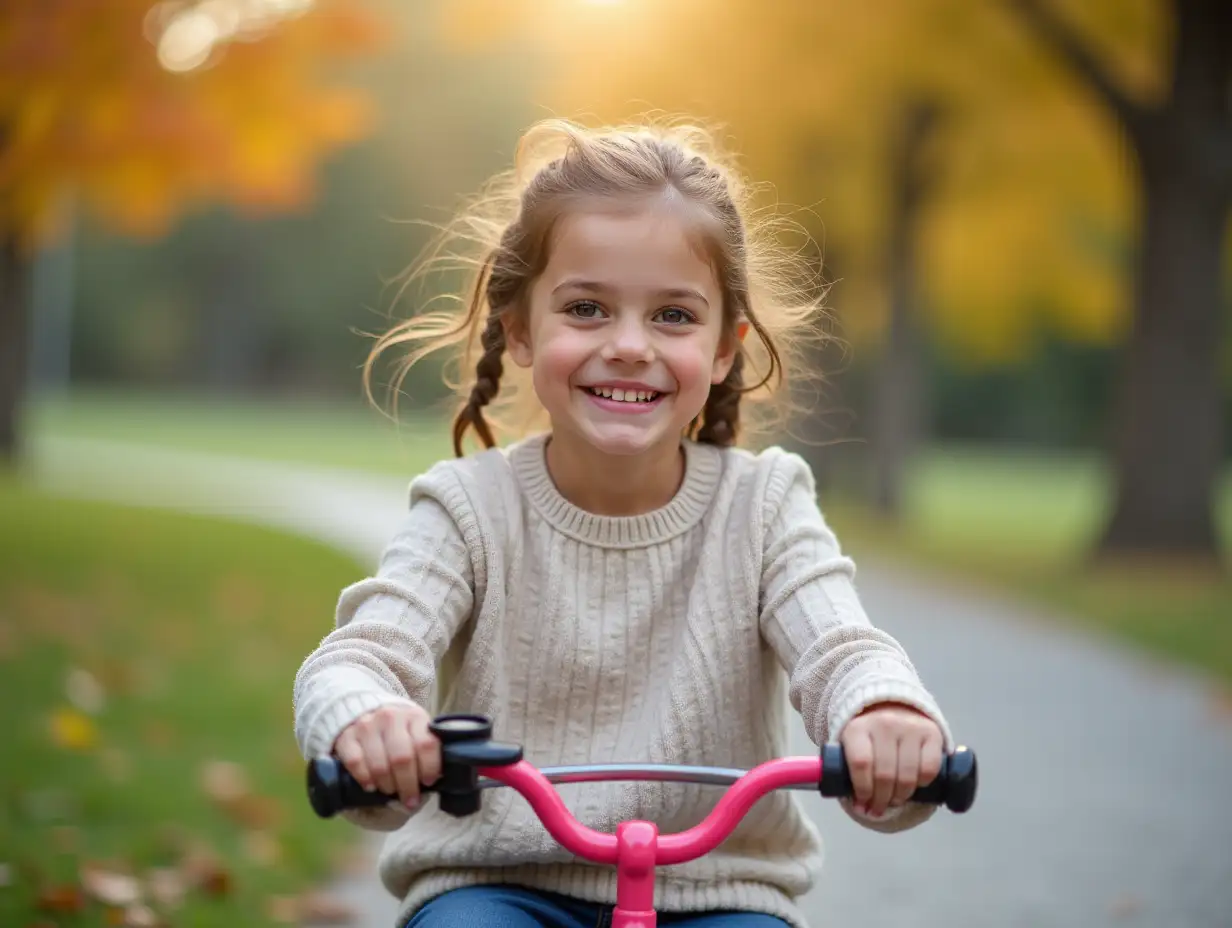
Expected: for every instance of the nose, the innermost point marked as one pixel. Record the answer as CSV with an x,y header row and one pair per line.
x,y
628,341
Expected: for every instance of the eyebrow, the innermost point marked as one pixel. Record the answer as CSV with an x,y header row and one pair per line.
x,y
591,286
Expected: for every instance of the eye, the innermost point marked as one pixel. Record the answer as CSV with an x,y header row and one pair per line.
x,y
584,309
674,315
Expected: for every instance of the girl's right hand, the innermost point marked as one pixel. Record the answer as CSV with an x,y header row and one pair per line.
x,y
392,749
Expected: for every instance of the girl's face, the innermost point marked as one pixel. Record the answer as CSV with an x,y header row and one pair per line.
x,y
625,329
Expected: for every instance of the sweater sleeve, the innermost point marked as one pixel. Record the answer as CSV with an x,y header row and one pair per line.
x,y
839,663
391,631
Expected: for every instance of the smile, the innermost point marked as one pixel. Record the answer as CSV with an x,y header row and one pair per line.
x,y
623,396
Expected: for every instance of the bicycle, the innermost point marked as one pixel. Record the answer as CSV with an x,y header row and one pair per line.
x,y
472,762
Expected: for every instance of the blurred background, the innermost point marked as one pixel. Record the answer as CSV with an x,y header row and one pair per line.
x,y
1021,207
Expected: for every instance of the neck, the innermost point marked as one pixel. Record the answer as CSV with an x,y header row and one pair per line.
x,y
608,485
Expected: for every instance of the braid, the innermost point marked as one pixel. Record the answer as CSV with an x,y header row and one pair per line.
x,y
721,415
487,384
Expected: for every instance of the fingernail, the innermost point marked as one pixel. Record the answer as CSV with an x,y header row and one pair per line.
x,y
413,803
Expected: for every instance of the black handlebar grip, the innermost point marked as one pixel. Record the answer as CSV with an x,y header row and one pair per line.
x,y
465,747
954,786
331,789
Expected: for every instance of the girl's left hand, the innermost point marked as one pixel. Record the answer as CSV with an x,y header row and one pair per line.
x,y
891,750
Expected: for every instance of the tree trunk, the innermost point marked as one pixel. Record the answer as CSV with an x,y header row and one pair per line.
x,y
1169,439
898,392
1167,451
14,345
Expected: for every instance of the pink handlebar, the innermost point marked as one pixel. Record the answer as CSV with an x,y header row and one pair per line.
x,y
688,845
472,762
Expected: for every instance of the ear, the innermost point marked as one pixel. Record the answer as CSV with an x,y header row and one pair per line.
x,y
517,340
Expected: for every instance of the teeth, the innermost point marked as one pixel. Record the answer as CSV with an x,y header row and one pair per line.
x,y
624,396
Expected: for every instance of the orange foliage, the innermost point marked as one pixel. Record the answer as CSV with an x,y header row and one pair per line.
x,y
88,110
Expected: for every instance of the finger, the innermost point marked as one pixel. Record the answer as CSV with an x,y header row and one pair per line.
x,y
931,754
885,773
403,769
858,751
908,771
427,749
372,742
351,754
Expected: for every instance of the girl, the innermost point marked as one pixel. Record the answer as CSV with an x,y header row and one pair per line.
x,y
626,584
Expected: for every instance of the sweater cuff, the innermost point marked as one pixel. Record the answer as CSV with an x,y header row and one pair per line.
x,y
870,689
339,712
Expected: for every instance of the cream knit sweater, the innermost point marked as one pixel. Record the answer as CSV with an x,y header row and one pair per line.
x,y
678,636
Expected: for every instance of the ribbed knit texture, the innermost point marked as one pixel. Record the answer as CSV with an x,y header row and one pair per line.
x,y
678,636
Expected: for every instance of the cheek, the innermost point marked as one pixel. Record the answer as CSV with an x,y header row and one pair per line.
x,y
691,364
557,359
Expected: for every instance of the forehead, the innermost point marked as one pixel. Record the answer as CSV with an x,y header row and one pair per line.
x,y
655,245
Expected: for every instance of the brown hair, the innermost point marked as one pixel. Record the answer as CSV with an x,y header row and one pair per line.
x,y
558,165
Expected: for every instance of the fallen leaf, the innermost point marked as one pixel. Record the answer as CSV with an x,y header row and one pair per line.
x,y
110,886
254,812
63,898
72,730
166,886
140,916
84,691
203,869
322,909
282,909
262,848
224,782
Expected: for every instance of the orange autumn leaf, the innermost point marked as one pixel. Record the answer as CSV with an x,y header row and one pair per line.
x,y
61,899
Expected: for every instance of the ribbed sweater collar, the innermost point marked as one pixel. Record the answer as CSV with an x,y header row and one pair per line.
x,y
703,468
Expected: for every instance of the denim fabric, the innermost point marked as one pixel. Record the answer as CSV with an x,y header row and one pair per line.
x,y
514,907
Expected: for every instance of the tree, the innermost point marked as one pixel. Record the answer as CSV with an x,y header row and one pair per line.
x,y
1169,442
135,113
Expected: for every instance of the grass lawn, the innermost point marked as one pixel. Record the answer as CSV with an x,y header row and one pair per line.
x,y
1019,522
350,435
146,663
1026,523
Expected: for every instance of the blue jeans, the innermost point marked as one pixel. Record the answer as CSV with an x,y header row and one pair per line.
x,y
514,907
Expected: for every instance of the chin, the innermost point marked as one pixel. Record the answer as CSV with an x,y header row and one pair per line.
x,y
623,445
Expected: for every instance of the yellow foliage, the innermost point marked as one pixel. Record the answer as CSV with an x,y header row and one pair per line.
x,y
87,109
1031,207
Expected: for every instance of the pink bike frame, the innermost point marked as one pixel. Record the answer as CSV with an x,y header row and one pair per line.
x,y
637,848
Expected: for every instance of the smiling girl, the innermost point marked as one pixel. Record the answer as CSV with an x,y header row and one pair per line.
x,y
625,584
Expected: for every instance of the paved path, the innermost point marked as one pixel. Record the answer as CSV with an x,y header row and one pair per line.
x,y
1105,778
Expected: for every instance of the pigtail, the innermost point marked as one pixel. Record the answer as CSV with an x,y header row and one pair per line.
x,y
720,419
487,384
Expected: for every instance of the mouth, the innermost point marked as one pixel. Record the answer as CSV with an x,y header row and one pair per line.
x,y
620,395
